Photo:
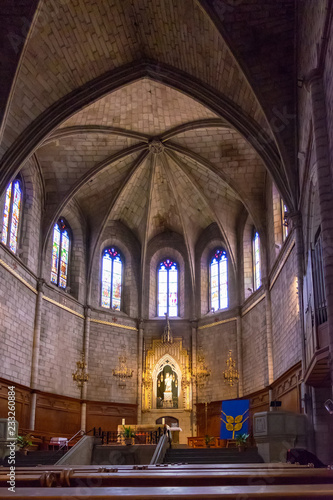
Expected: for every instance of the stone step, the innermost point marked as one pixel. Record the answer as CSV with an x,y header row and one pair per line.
x,y
215,455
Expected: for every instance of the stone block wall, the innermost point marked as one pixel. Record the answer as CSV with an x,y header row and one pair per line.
x,y
254,345
285,318
107,343
61,345
17,316
216,341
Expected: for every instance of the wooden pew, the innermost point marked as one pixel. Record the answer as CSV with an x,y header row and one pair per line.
x,y
68,477
286,492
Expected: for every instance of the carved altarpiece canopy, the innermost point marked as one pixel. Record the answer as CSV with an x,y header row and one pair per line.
x,y
167,360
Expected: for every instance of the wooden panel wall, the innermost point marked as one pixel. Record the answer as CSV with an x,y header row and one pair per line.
x,y
287,389
60,414
57,414
109,415
22,402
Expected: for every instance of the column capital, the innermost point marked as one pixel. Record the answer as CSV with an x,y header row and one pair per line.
x,y
87,311
314,76
296,218
40,285
194,323
265,283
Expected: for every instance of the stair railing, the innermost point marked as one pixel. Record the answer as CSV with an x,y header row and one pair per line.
x,y
73,437
160,450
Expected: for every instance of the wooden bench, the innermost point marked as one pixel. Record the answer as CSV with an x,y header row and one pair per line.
x,y
158,477
250,492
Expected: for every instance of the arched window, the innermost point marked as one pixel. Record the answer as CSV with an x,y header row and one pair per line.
x,y
256,261
11,215
60,253
284,220
219,280
167,288
112,268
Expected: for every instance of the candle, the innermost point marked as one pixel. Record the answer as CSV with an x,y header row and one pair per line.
x,y
122,421
163,421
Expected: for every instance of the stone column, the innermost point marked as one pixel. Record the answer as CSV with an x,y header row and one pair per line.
x,y
194,326
35,352
269,338
316,88
296,219
84,387
239,355
140,362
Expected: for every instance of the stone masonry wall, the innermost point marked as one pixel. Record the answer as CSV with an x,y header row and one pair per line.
x,y
17,315
254,348
107,343
216,342
285,318
61,343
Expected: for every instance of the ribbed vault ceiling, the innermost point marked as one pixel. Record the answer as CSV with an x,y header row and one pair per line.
x,y
146,112
156,160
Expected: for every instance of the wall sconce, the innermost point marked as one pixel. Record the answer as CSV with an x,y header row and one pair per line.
x,y
202,371
231,375
122,372
80,376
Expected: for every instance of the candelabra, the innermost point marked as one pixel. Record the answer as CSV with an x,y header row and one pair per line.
x,y
122,372
231,375
80,376
202,371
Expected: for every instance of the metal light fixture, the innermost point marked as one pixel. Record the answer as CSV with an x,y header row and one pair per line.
x,y
80,376
122,372
202,371
231,375
167,337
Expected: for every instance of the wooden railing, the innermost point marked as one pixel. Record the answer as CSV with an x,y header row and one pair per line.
x,y
201,442
140,437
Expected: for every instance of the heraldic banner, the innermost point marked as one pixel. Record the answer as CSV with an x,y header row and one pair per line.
x,y
234,418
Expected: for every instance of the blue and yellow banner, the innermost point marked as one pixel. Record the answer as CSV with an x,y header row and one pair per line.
x,y
234,418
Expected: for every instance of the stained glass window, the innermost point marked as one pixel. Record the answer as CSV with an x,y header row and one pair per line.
x,y
11,215
60,254
256,261
284,212
167,302
219,280
112,267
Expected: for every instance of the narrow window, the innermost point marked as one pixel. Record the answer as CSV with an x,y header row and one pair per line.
x,y
167,288
219,280
112,268
256,261
60,253
11,215
284,220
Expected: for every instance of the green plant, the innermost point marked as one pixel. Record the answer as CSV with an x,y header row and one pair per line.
x,y
208,439
241,439
24,441
128,432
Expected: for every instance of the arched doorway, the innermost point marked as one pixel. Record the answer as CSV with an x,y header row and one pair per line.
x,y
170,421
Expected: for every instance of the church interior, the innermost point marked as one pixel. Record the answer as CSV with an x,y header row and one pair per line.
x,y
166,213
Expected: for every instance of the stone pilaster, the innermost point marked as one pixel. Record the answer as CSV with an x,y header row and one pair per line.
x,y
85,357
315,86
140,366
194,326
35,352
